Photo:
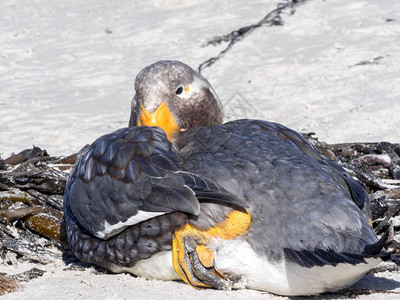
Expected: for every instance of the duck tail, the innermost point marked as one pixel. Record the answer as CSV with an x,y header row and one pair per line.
x,y
376,248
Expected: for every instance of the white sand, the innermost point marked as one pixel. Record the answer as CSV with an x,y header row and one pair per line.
x,y
67,70
65,80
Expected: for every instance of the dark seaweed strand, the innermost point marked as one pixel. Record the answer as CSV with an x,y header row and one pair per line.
x,y
273,18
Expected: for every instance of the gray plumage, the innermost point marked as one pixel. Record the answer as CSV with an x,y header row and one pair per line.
x,y
125,173
298,200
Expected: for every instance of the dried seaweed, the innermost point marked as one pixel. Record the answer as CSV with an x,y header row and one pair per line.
x,y
273,18
31,191
28,275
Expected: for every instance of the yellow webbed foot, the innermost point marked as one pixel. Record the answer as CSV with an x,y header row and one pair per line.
x,y
194,261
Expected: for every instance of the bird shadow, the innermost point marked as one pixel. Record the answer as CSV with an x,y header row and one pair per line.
x,y
369,284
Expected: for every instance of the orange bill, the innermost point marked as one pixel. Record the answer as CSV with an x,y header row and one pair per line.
x,y
161,117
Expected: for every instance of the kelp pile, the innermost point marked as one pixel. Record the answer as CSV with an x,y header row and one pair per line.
x,y
31,192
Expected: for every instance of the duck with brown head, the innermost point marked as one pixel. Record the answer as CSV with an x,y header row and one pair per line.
x,y
248,203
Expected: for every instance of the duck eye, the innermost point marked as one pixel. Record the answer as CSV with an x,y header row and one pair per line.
x,y
179,90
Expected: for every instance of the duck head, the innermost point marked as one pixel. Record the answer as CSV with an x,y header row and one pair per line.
x,y
173,96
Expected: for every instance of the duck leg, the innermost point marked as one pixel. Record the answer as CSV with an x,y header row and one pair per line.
x,y
194,261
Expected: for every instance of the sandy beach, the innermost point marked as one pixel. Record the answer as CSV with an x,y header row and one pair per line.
x,y
67,71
